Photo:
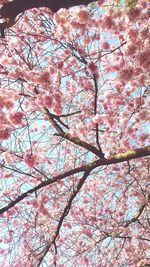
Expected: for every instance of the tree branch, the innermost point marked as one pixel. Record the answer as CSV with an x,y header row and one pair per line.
x,y
95,112
81,143
137,215
67,136
64,214
117,158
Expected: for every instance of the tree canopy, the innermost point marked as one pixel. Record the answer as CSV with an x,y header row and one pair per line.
x,y
74,135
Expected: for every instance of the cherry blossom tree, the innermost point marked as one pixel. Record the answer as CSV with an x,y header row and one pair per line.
x,y
74,146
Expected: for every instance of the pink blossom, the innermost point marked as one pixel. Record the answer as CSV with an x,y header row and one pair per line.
x,y
72,132
8,157
110,121
16,117
52,70
57,108
4,133
81,128
60,65
144,58
98,119
105,45
144,33
68,225
2,102
61,16
44,77
9,104
92,68
44,199
48,101
144,137
86,261
2,251
101,2
3,119
126,73
8,239
35,203
134,13
44,211
83,16
131,49
40,100
30,160
132,34
144,115
108,22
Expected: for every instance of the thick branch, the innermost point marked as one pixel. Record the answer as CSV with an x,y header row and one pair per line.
x,y
117,158
64,214
67,136
51,119
83,144
138,214
95,112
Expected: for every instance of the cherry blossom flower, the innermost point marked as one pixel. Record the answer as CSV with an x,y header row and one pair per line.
x,y
30,160
101,2
16,117
44,211
92,68
83,16
105,45
48,101
5,132
98,119
8,157
133,14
